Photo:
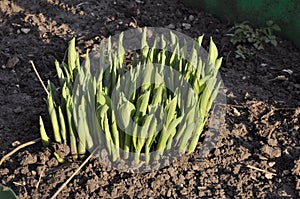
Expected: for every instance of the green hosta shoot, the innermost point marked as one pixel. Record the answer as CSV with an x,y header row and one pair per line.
x,y
45,138
145,118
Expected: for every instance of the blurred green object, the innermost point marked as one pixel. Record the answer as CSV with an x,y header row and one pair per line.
x,y
7,193
285,13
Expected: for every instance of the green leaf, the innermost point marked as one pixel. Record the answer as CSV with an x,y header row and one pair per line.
x,y
72,57
51,88
60,74
62,123
59,159
142,104
53,117
194,141
82,129
206,96
199,40
44,136
121,50
71,128
171,111
213,51
125,111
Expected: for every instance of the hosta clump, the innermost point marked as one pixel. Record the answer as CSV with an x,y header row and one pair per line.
x,y
138,105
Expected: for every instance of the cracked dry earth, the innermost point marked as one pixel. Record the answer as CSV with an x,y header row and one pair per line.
x,y
257,154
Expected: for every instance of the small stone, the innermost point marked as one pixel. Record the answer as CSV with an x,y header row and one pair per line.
x,y
272,152
171,26
286,172
236,169
169,193
290,72
281,78
269,176
272,142
12,62
271,164
33,173
186,26
236,112
244,77
139,1
25,30
3,66
18,110
191,18
16,143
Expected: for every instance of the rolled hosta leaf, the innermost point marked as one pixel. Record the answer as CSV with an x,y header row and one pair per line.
x,y
71,128
206,96
44,136
213,51
125,111
72,57
60,74
198,130
142,104
82,129
59,159
62,123
53,117
199,40
52,89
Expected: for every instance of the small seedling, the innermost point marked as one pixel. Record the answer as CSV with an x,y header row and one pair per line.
x,y
248,40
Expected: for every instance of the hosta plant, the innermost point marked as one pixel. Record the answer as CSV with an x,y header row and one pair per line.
x,y
149,101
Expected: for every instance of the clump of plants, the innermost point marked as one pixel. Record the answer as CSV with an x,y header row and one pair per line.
x,y
127,107
248,40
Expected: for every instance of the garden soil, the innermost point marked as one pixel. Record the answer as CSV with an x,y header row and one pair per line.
x,y
257,154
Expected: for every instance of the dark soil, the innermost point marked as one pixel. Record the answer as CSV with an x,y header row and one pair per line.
x,y
262,122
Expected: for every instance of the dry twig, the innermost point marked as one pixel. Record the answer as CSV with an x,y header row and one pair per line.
x,y
73,175
262,170
39,77
18,148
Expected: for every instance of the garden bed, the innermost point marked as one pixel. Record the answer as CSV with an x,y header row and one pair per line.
x,y
262,110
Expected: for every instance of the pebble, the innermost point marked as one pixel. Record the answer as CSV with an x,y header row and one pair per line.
x,y
25,30
290,72
191,18
236,112
271,164
269,175
281,78
18,110
286,172
12,62
272,152
171,26
186,26
16,143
